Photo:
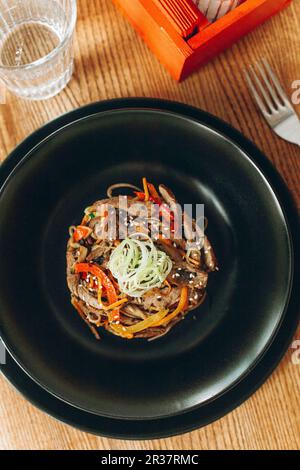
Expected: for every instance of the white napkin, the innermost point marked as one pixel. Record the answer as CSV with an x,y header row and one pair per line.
x,y
215,9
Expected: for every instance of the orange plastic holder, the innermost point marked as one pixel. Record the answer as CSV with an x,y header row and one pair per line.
x,y
182,38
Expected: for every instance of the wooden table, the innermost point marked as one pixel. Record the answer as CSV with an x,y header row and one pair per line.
x,y
111,61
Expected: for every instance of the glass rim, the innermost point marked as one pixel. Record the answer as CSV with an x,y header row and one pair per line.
x,y
53,53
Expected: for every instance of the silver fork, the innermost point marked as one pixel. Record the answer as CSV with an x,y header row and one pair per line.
x,y
273,102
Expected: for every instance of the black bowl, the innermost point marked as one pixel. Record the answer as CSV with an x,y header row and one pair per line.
x,y
216,346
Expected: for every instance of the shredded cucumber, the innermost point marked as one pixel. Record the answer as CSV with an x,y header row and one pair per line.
x,y
138,265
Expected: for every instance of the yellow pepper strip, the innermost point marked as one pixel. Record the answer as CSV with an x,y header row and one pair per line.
x,y
146,189
179,309
142,325
116,304
91,282
120,332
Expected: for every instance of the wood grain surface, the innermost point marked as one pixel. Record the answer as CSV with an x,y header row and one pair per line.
x,y
112,61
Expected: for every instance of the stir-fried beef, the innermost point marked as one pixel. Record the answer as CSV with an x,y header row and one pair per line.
x,y
190,269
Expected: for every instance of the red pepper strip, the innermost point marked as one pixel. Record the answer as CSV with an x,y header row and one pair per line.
x,y
153,192
155,200
165,209
106,283
140,195
80,233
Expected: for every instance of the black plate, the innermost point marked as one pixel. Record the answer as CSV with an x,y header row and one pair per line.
x,y
155,429
203,160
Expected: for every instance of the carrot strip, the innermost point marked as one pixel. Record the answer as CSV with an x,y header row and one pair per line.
x,y
116,304
146,189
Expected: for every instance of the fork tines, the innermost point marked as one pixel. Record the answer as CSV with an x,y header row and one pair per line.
x,y
272,96
273,102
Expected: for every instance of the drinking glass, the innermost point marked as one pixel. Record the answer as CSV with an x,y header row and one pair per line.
x,y
36,46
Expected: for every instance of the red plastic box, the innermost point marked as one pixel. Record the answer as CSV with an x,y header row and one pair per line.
x,y
183,39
